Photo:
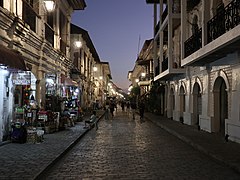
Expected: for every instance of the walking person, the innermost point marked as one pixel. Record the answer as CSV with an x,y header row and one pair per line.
x,y
133,108
115,105
128,107
106,108
112,107
141,106
122,105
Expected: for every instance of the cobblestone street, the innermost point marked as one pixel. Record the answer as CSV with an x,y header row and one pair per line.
x,y
126,149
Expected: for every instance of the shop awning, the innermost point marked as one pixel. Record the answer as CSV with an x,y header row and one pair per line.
x,y
67,81
11,58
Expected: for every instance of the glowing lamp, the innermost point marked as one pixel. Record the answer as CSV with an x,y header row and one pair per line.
x,y
49,5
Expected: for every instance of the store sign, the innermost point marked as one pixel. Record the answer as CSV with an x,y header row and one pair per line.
x,y
50,83
21,78
51,76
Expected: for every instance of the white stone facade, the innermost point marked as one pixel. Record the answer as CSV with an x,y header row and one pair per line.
x,y
207,93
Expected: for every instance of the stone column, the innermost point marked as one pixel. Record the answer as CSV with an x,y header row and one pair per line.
x,y
40,89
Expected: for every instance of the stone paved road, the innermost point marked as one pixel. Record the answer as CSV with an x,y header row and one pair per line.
x,y
127,149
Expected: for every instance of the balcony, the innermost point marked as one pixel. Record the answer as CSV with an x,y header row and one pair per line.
x,y
49,34
223,37
145,81
224,21
163,17
29,15
168,72
194,43
165,64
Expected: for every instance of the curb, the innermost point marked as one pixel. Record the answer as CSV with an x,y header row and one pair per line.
x,y
42,173
196,146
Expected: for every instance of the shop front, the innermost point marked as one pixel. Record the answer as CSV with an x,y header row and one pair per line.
x,y
11,63
24,91
71,92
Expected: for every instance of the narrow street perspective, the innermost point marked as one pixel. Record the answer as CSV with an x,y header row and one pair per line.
x,y
130,89
123,148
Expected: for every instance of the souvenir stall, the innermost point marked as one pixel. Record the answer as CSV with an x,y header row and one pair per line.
x,y
48,118
71,93
25,107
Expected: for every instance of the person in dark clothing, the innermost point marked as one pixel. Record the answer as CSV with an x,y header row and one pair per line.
x,y
122,105
141,107
128,107
19,133
111,107
133,108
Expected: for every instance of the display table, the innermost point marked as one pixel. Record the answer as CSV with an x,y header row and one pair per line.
x,y
34,136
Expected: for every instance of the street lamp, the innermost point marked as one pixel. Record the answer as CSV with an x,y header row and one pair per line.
x,y
78,44
94,68
49,5
94,72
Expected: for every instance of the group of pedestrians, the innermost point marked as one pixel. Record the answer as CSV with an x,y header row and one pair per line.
x,y
131,106
111,106
141,107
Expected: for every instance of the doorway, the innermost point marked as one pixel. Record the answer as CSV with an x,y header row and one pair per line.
x,y
220,105
182,102
197,104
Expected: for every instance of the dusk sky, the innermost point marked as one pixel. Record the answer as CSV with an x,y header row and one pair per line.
x,y
118,30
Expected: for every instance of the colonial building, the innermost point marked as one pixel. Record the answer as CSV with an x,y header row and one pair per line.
x,y
196,60
145,61
142,74
88,70
34,54
85,58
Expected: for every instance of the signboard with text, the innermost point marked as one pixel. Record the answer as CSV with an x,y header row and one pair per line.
x,y
21,78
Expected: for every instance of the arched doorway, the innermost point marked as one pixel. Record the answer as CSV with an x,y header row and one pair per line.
x,y
197,104
220,98
182,102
